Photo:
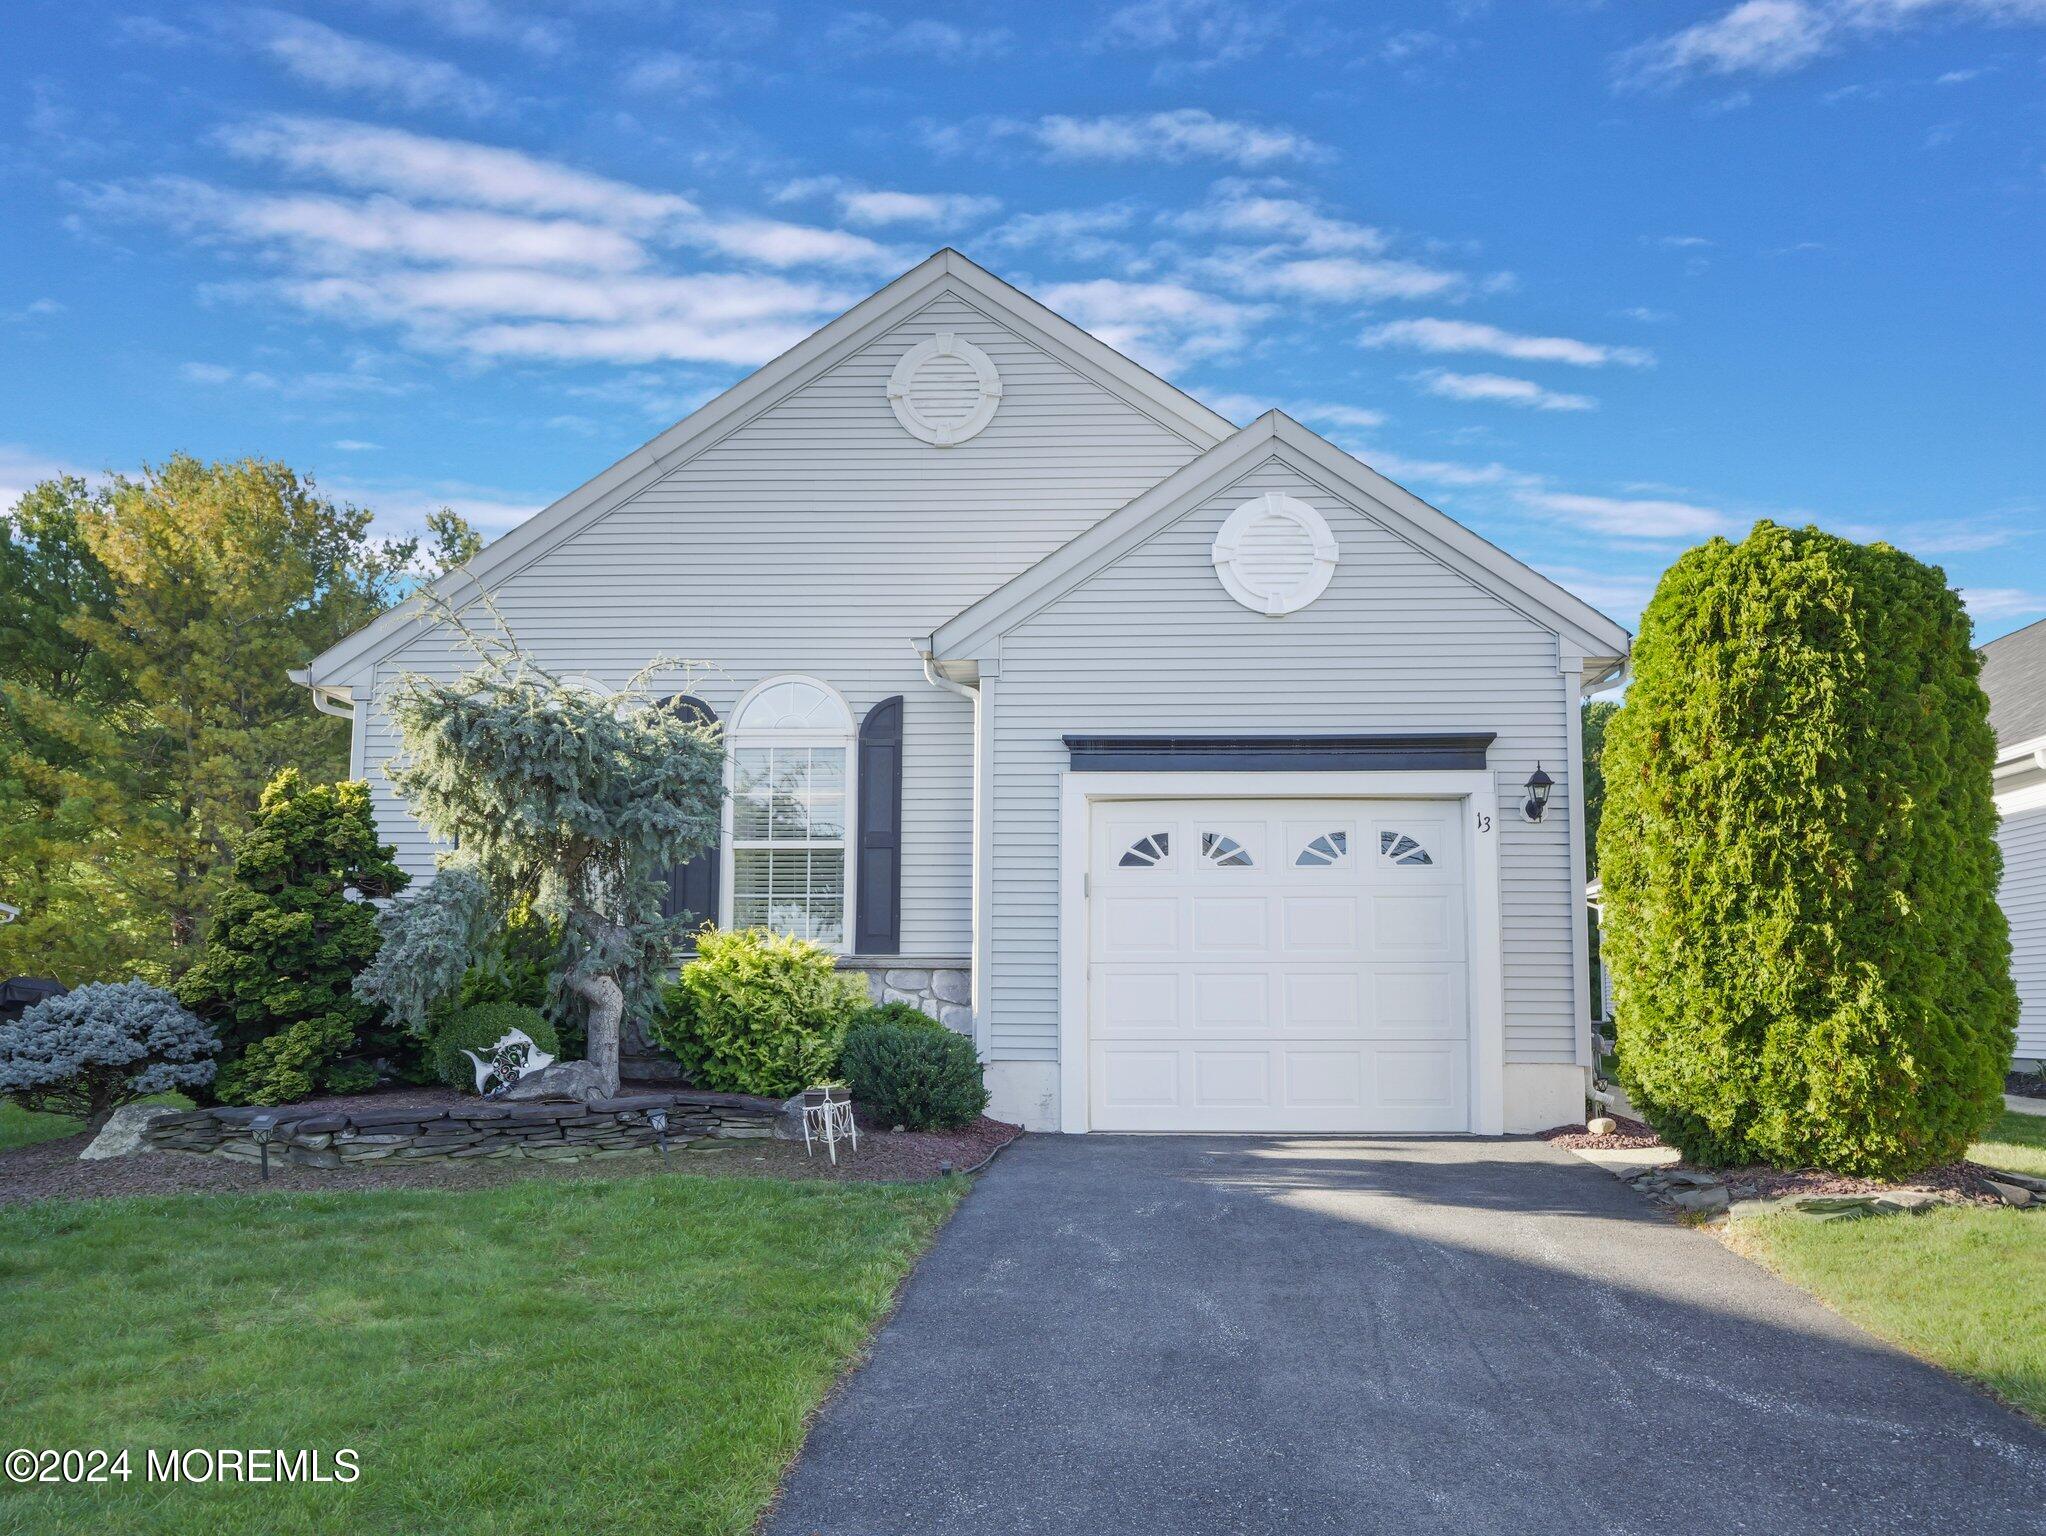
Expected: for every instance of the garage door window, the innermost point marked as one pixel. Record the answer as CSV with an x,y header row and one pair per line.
x,y
1399,848
1220,849
1329,848
1147,851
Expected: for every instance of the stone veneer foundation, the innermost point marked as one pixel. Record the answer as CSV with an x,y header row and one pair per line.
x,y
543,1129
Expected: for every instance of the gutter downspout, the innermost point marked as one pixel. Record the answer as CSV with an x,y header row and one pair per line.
x,y
325,700
982,842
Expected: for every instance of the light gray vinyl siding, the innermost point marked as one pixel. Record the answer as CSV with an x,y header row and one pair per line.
x,y
818,537
1398,642
2023,896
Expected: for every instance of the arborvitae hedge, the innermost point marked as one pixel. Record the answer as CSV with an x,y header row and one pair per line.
x,y
1800,865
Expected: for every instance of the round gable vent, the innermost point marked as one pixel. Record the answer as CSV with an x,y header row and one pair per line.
x,y
944,390
1275,554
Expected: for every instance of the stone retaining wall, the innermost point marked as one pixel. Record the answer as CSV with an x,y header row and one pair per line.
x,y
549,1129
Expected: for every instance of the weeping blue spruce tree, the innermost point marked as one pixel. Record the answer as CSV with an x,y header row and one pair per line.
x,y
1799,859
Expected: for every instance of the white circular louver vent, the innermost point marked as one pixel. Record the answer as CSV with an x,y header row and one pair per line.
x,y
1275,554
944,390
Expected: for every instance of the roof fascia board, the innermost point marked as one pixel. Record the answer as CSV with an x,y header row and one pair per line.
x,y
873,315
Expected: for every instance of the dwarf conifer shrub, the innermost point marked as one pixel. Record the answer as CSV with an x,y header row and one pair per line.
x,y
88,1052
1799,859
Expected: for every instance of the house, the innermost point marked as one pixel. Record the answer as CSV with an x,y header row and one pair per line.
x,y
2014,677
1209,778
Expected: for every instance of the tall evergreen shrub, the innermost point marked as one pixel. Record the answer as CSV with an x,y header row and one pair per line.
x,y
286,941
1799,861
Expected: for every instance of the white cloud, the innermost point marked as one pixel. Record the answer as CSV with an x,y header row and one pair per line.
x,y
1081,232
1446,472
35,309
1187,133
730,318
1436,335
366,157
1246,408
1245,210
22,467
940,208
925,36
1776,37
1500,388
403,508
356,445
1630,517
327,232
1332,279
485,21
434,169
337,62
313,382
1207,33
1620,593
669,74
2002,602
1161,324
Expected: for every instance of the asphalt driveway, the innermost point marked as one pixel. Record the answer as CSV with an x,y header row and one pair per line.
x,y
1156,1335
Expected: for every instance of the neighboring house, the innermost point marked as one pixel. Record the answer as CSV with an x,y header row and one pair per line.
x,y
1183,764
2014,677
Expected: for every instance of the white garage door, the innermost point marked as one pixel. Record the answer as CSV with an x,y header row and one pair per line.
x,y
1278,965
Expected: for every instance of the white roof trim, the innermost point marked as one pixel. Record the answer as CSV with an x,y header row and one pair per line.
x,y
974,631
1173,408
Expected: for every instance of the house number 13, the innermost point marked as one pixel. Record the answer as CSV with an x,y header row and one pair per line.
x,y
1484,822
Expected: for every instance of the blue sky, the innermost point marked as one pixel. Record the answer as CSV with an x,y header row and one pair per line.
x,y
1598,279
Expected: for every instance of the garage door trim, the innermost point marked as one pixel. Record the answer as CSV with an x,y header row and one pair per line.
x,y
1477,800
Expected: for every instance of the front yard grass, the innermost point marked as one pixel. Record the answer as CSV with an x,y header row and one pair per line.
x,y
22,1128
623,1356
1959,1287
2015,1142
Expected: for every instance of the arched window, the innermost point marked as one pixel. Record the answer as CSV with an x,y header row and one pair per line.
x,y
790,741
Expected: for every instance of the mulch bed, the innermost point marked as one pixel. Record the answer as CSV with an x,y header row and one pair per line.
x,y
2026,1085
51,1170
1627,1135
1963,1180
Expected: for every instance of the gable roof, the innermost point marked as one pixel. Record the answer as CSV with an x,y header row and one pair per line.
x,y
1582,627
871,317
2014,677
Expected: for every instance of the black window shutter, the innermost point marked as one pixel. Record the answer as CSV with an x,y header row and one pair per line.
x,y
692,888
878,876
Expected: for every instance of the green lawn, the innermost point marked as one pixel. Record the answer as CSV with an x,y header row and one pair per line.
x,y
1960,1287
2016,1142
632,1355
19,1128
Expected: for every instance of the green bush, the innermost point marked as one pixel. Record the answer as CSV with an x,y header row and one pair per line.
x,y
906,1015
477,1029
758,1012
286,942
1800,865
909,1075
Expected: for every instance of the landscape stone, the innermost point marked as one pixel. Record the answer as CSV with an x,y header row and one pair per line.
x,y
579,1080
2011,1194
124,1131
1711,1197
906,981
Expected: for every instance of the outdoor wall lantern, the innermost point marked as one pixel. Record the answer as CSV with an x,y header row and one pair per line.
x,y
261,1129
658,1119
1538,786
